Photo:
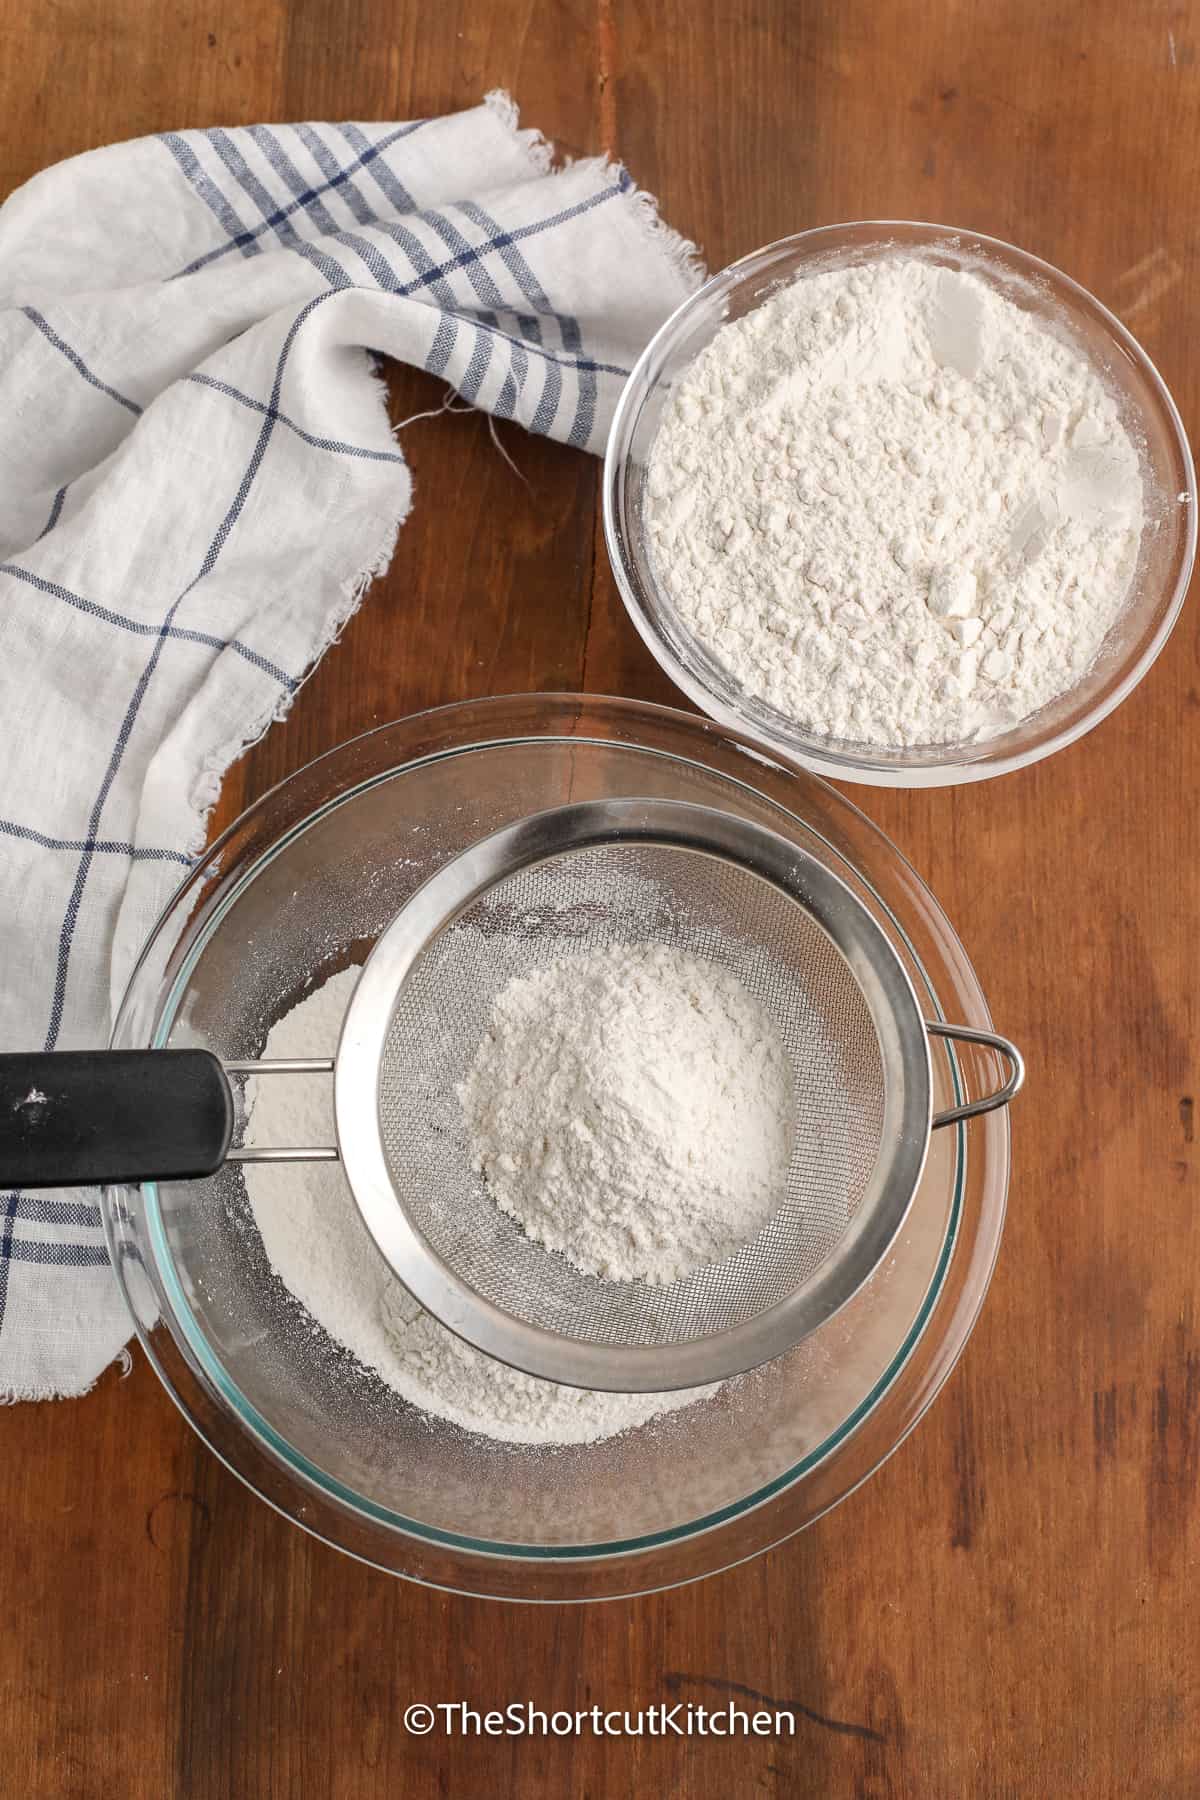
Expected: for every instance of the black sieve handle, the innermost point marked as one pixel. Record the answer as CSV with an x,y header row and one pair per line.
x,y
82,1117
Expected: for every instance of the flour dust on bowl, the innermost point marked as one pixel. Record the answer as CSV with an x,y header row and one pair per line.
x,y
369,1430
902,502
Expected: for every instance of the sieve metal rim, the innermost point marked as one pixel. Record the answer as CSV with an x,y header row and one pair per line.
x,y
828,902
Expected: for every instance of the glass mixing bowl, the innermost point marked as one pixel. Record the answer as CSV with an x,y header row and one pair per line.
x,y
300,887
1168,544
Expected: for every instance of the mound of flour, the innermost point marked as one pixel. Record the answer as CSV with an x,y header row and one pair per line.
x,y
322,1253
895,505
632,1108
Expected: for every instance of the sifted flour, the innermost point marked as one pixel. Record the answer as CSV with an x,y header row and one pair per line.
x,y
321,1251
632,1107
894,505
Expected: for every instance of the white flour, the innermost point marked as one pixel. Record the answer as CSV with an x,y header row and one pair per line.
x,y
321,1251
632,1107
894,505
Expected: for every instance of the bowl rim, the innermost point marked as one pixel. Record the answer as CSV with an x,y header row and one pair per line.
x,y
191,1351
809,750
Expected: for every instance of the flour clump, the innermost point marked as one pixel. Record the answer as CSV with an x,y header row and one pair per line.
x,y
632,1108
895,505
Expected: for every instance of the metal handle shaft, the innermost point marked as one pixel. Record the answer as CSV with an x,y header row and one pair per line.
x,y
990,1040
282,1153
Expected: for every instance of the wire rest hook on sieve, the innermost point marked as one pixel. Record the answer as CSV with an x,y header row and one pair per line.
x,y
988,1040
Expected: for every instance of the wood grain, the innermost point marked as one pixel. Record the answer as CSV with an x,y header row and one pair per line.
x,y
1007,1608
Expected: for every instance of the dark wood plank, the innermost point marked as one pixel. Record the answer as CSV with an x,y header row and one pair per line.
x,y
1005,1609
1015,1581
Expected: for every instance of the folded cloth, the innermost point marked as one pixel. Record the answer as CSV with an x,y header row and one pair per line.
x,y
197,482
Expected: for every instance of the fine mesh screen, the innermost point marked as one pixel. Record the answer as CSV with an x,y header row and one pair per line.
x,y
582,900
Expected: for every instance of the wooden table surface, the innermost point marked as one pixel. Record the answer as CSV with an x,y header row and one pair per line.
x,y
1008,1607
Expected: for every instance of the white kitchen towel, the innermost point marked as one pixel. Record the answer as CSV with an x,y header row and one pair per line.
x,y
197,482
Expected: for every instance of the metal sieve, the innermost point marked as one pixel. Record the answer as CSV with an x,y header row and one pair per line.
x,y
570,880
573,880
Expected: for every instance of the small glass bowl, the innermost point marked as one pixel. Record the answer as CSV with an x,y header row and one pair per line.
x,y
1168,543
